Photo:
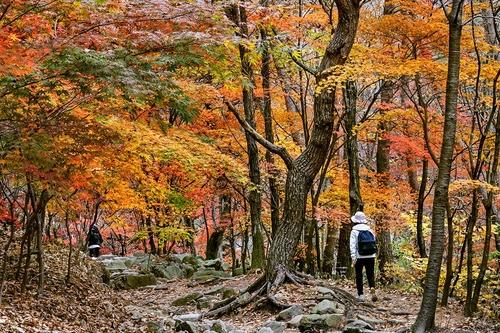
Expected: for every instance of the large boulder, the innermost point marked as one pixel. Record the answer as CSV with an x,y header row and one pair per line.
x,y
131,280
317,322
327,306
168,271
214,263
114,265
290,313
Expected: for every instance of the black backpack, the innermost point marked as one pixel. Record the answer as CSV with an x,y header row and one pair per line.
x,y
366,243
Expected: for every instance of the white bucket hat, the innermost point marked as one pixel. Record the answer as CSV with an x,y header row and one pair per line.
x,y
359,217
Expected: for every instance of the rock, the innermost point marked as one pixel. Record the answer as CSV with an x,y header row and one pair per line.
x,y
357,326
229,292
324,291
203,303
188,317
314,322
265,330
290,313
214,263
275,326
219,326
207,274
188,270
188,326
114,265
179,257
294,322
186,299
327,306
153,326
370,320
168,271
131,280
237,331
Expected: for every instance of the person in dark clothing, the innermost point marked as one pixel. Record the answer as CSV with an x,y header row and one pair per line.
x,y
94,241
363,250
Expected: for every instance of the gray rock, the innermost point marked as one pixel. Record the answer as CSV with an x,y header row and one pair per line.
x,y
207,274
265,330
294,322
188,326
187,299
188,317
357,326
290,313
214,263
325,291
167,271
327,306
114,265
237,331
275,326
131,280
219,326
314,322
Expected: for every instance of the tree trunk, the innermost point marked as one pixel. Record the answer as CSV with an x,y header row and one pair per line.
x,y
426,315
268,124
238,15
355,201
383,169
488,200
304,168
420,209
471,224
449,257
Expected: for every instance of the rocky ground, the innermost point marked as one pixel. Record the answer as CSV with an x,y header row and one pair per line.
x,y
144,294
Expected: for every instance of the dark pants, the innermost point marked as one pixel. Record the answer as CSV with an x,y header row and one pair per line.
x,y
94,252
369,264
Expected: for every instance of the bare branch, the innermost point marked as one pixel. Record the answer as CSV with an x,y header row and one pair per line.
x,y
278,150
308,69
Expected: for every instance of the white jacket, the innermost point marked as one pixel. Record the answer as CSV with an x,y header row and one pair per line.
x,y
353,242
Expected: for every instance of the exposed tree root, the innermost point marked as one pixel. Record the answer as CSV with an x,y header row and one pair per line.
x,y
262,292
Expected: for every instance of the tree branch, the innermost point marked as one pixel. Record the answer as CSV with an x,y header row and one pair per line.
x,y
273,148
308,69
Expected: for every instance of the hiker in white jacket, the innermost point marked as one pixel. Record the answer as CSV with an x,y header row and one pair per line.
x,y
363,249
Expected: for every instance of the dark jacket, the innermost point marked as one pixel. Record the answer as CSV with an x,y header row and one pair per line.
x,y
94,237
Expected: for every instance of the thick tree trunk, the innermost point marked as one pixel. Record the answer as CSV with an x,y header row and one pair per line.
x,y
305,167
420,209
383,169
355,201
426,315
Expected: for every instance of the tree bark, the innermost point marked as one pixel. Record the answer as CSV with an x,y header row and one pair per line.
x,y
426,315
355,200
420,209
238,15
305,167
383,169
268,125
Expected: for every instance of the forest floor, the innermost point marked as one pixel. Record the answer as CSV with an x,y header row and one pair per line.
x,y
88,305
395,309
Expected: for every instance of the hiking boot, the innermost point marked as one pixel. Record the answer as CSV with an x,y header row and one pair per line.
x,y
373,295
361,298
